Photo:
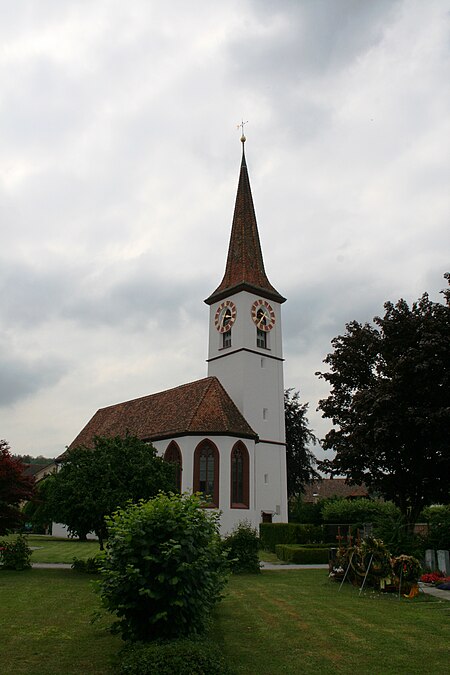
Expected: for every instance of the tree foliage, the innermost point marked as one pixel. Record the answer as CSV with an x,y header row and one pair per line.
x,y
164,569
15,487
390,404
94,482
36,511
299,458
241,547
40,459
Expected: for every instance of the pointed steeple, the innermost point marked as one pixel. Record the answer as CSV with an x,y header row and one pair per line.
x,y
245,267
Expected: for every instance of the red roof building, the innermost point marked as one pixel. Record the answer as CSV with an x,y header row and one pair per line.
x,y
333,487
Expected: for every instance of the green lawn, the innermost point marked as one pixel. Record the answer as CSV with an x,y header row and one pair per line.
x,y
53,550
291,622
45,625
276,623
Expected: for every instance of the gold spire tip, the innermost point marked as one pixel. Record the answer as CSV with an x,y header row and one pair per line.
x,y
241,126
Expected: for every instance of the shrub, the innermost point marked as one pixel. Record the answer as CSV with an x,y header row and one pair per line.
x,y
90,565
164,569
241,548
438,518
396,534
356,511
302,555
178,657
272,534
304,512
15,555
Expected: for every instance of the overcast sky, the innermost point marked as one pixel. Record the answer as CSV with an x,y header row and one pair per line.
x,y
119,161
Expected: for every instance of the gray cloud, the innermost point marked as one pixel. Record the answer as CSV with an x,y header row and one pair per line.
x,y
21,378
118,173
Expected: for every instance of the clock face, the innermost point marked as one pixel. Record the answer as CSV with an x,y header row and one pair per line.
x,y
225,316
263,315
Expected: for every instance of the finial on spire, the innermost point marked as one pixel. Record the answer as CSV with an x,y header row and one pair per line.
x,y
241,126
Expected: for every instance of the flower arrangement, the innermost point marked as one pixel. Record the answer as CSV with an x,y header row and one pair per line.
x,y
407,568
436,577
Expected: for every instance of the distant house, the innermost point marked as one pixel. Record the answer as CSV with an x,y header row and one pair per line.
x,y
39,471
333,487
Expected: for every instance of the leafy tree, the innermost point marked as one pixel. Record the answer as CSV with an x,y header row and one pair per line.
x,y
94,482
40,459
299,458
390,404
15,487
36,511
164,569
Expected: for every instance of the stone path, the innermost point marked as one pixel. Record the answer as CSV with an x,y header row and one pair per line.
x,y
437,592
51,566
274,566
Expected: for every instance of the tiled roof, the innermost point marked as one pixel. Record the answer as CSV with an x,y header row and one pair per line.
x,y
333,487
202,407
245,267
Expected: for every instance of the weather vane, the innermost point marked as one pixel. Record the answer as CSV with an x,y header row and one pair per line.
x,y
241,126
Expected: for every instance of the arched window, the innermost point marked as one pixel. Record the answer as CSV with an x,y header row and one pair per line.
x,y
206,472
239,477
173,455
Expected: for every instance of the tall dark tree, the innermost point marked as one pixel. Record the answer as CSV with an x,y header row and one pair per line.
x,y
15,487
94,482
390,404
299,458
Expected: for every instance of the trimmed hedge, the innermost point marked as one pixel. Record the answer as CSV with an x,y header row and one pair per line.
x,y
178,657
302,555
357,511
272,534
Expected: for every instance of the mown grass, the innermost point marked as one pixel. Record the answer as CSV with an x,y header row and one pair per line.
x,y
291,622
45,626
277,623
53,550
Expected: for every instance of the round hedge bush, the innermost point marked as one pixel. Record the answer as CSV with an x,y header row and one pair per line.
x,y
164,568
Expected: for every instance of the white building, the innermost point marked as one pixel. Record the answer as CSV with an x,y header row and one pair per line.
x,y
226,431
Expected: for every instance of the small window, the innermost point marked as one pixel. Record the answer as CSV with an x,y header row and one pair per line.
x,y
261,339
265,413
226,342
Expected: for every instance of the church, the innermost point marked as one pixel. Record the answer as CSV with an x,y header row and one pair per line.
x,y
225,432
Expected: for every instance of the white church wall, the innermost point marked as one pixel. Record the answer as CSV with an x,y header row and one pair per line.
x,y
229,516
270,470
250,375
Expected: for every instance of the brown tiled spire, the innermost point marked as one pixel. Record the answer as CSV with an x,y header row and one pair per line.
x,y
245,267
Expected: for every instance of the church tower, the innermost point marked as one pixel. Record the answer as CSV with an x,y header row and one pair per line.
x,y
245,351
